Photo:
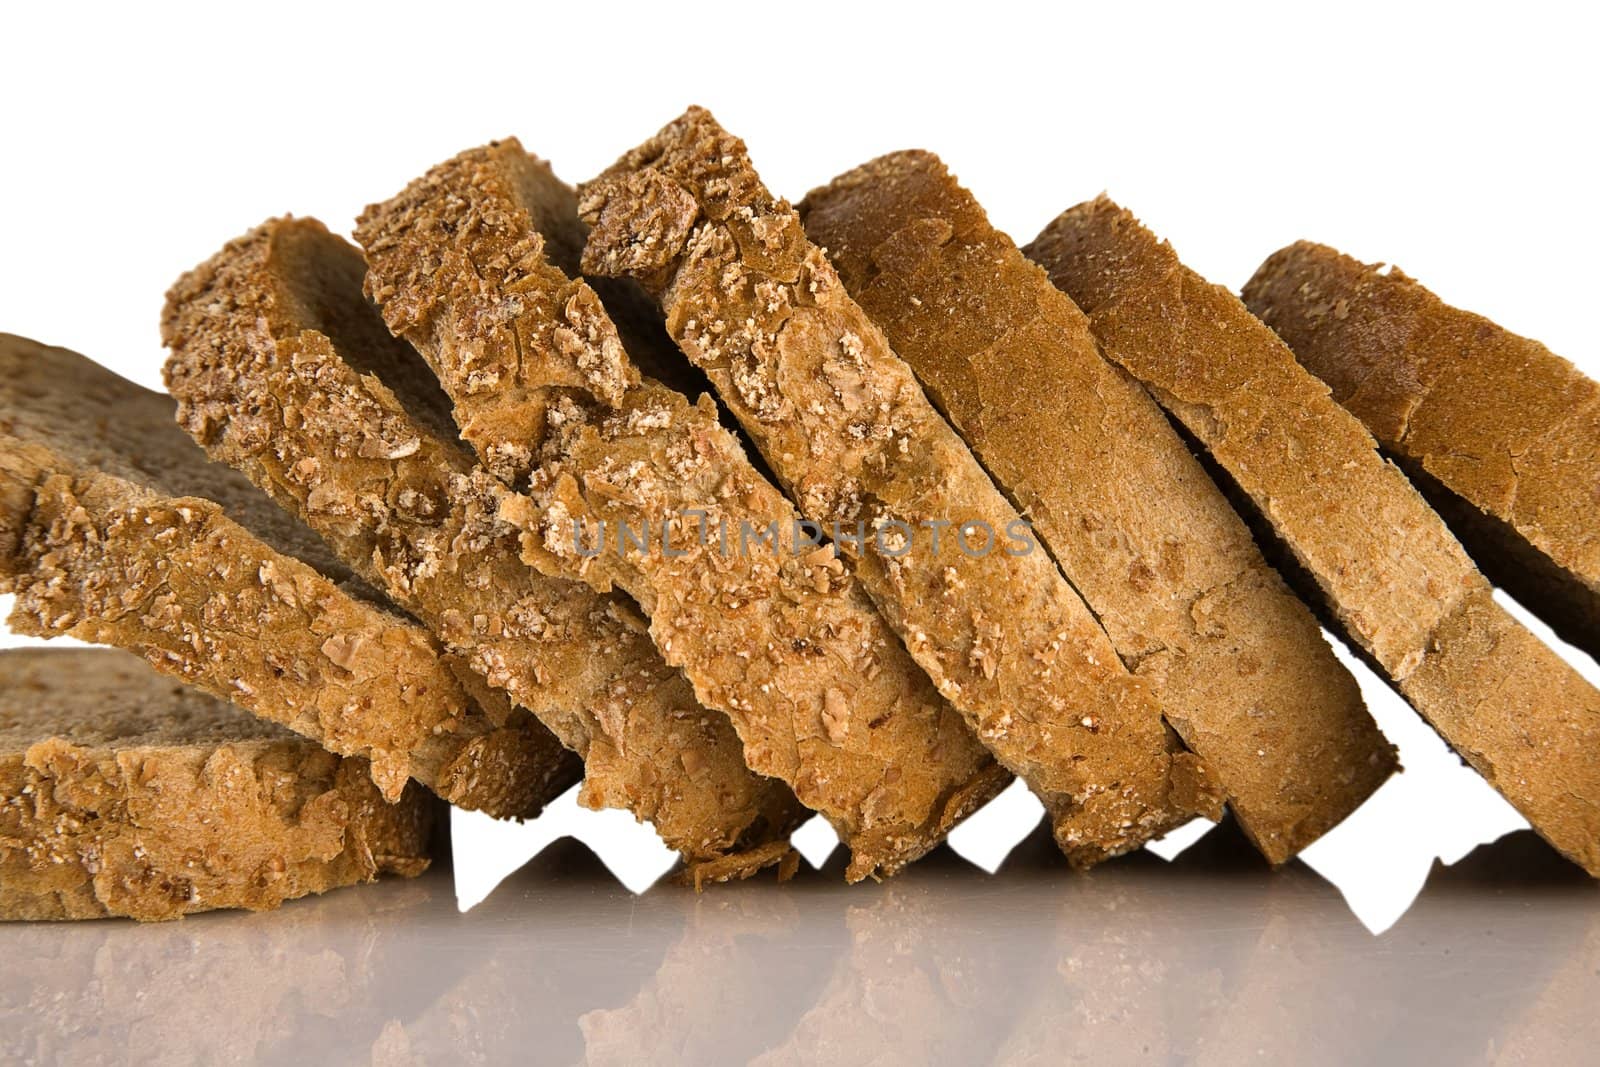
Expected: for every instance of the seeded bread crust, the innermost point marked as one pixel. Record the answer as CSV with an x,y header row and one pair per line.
x,y
123,793
127,559
778,635
462,262
822,692
283,370
852,437
1237,662
1363,541
1501,434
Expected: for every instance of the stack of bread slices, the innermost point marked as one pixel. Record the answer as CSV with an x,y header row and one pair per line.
x,y
742,511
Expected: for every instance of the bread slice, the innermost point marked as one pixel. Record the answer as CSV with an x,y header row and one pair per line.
x,y
1236,661
125,793
1362,540
830,702
115,529
1501,434
284,370
854,440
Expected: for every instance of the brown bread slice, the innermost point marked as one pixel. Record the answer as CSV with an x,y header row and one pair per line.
x,y
115,529
852,438
1362,540
1500,433
284,370
779,636
1237,662
125,793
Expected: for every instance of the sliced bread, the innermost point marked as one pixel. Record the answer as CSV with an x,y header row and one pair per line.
x,y
829,701
856,443
125,793
1501,434
116,529
283,369
1360,540
1238,663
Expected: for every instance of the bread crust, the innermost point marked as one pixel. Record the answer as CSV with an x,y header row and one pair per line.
x,y
177,579
779,636
1371,551
1500,433
123,793
283,370
1236,661
851,437
463,264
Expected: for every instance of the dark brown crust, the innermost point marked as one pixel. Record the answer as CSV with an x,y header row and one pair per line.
x,y
285,371
1384,564
850,434
1507,427
830,701
1237,662
176,579
124,793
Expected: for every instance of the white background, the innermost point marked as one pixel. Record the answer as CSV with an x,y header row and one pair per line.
x,y
1457,142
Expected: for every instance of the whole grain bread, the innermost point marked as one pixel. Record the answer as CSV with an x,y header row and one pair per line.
x,y
1501,434
125,793
284,370
1238,663
1361,539
855,442
115,529
830,701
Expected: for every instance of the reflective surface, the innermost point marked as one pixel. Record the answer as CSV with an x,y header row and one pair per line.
x,y
1208,959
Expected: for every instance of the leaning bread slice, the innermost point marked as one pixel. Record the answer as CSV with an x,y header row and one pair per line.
x,y
1360,538
1500,433
1236,660
116,529
126,793
775,632
852,437
284,370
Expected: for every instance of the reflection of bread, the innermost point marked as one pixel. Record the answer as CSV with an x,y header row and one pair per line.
x,y
1125,979
124,793
851,436
322,973
1362,540
826,704
115,529
591,945
1237,662
755,957
283,369
919,978
1556,1026
1500,432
